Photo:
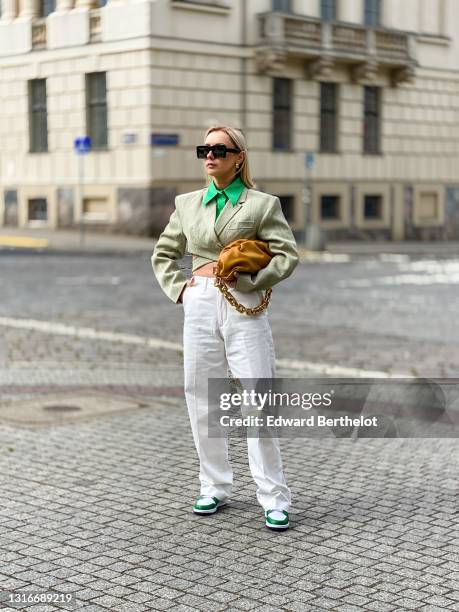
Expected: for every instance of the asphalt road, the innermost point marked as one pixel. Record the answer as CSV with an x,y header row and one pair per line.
x,y
396,317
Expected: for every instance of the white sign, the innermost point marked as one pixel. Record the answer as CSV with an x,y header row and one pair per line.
x,y
129,138
309,159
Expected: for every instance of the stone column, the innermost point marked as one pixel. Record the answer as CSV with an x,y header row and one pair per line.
x,y
63,6
29,8
9,10
392,16
351,11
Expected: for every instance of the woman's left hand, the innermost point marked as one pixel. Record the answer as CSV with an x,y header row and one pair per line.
x,y
232,284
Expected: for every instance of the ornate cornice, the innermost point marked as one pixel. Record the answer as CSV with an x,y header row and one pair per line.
x,y
271,60
320,68
365,72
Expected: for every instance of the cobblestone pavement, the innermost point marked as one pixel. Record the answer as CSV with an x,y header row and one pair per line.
x,y
99,506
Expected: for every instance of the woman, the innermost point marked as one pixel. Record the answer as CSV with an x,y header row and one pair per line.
x,y
215,334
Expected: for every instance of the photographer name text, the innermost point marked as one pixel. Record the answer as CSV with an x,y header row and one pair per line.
x,y
310,421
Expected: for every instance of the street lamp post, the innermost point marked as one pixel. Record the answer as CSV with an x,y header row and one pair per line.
x,y
313,238
309,162
82,146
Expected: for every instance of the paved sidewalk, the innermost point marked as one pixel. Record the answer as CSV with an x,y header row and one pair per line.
x,y
100,508
70,241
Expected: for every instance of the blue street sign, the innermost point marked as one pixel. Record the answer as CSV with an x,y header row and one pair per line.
x,y
164,140
82,145
309,159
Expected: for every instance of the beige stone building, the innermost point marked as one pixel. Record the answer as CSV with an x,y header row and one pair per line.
x,y
367,91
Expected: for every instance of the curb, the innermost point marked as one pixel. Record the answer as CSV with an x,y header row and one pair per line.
x,y
56,251
23,242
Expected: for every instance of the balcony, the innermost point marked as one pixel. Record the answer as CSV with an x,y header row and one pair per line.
x,y
324,44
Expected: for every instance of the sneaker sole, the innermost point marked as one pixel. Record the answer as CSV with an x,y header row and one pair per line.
x,y
277,527
211,511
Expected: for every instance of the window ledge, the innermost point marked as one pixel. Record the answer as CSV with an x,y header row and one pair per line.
x,y
222,9
434,39
37,223
374,224
428,222
332,223
95,217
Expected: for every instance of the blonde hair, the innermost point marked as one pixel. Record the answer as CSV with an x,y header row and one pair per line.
x,y
236,135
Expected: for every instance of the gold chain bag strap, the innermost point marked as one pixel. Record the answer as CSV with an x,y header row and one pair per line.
x,y
242,256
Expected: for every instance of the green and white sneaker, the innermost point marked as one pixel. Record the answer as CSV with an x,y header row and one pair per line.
x,y
207,505
277,519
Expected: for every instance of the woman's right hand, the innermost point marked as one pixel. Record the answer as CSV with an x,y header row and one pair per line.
x,y
189,282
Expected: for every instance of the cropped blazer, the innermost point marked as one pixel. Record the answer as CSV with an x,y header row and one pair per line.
x,y
192,227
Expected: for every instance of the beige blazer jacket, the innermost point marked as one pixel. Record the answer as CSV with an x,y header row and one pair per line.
x,y
192,227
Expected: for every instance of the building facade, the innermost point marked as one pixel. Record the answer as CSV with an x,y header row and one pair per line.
x,y
350,108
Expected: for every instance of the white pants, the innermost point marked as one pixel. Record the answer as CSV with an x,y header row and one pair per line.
x,y
215,336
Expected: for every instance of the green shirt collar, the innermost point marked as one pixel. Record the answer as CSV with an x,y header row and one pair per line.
x,y
233,191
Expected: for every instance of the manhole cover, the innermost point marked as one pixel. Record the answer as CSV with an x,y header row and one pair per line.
x,y
61,408
66,407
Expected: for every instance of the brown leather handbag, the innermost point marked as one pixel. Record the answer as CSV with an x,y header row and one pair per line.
x,y
242,256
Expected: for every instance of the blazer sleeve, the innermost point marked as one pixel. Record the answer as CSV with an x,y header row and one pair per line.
x,y
274,230
169,248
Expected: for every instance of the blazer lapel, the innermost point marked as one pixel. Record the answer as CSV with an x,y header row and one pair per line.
x,y
209,212
228,213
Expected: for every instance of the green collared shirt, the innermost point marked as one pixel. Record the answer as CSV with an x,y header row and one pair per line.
x,y
231,193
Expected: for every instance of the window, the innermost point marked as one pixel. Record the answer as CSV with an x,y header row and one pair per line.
x,y
287,203
372,16
38,209
330,207
96,109
328,117
47,7
101,2
38,116
429,205
95,209
282,5
282,113
372,207
371,131
427,209
328,10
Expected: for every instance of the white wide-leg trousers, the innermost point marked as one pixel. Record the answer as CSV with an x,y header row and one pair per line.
x,y
215,336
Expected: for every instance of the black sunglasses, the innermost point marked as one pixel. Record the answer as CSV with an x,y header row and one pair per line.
x,y
218,150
